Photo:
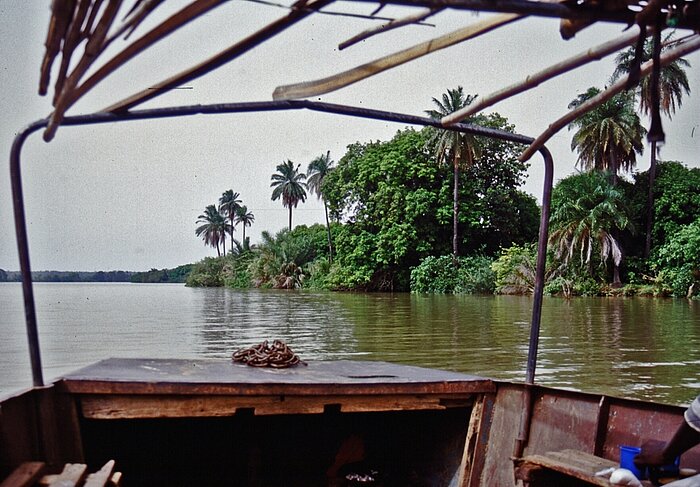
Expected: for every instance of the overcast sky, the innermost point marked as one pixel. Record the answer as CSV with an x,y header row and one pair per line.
x,y
126,196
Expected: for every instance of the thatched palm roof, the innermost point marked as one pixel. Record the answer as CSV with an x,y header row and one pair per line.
x,y
80,32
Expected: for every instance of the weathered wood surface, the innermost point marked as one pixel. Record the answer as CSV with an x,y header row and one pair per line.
x,y
122,406
73,474
343,377
101,477
25,475
572,463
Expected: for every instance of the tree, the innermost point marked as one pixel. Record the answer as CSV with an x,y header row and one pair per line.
x,y
396,203
228,206
679,260
609,136
245,218
673,82
213,228
587,210
676,200
458,148
289,185
317,171
388,194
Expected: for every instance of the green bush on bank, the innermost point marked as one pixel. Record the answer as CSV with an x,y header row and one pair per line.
x,y
207,273
439,275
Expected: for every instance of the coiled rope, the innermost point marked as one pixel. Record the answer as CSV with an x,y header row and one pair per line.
x,y
278,355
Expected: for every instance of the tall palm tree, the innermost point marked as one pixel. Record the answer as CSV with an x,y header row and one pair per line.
x,y
245,218
228,206
289,185
213,228
608,137
673,83
317,171
588,211
457,148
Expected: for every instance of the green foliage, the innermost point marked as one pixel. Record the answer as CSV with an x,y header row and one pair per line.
x,y
439,275
397,202
610,136
289,186
494,213
207,273
178,274
388,192
236,270
515,270
679,260
587,214
281,260
676,199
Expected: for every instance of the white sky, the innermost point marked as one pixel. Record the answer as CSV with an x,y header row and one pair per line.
x,y
126,196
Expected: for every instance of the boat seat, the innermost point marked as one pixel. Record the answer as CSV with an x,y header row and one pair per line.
x,y
566,467
31,474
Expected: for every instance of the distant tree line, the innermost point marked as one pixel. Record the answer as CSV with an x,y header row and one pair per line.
x,y
176,275
69,276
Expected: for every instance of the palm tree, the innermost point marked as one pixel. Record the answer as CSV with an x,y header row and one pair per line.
x,y
213,228
673,82
228,206
289,185
246,218
317,171
457,148
588,211
609,136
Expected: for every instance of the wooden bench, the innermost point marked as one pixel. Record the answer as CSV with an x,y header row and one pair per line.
x,y
31,474
576,466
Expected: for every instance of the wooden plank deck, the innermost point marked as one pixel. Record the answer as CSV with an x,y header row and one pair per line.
x,y
178,376
138,388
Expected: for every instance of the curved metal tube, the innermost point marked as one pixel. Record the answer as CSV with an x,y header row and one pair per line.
x,y
98,118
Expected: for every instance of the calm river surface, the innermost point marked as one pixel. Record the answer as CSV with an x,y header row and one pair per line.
x,y
630,347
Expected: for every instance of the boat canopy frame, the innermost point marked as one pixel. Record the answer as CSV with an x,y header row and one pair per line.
x,y
74,23
264,106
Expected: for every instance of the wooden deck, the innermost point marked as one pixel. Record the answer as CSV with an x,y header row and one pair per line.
x,y
149,388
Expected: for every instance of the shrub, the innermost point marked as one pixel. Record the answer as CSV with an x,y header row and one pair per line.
x,y
439,275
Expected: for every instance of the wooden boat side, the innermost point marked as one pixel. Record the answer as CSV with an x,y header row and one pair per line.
x,y
474,421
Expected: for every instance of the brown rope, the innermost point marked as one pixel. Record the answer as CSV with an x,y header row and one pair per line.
x,y
278,355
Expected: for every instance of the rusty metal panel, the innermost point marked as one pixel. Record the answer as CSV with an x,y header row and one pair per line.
x,y
634,422
562,420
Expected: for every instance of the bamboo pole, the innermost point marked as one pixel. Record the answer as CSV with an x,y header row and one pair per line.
x,y
61,14
593,54
177,20
666,58
394,24
72,39
341,80
92,50
303,10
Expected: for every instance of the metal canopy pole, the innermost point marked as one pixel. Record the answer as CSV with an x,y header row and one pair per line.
x,y
99,118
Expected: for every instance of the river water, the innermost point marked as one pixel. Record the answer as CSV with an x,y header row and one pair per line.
x,y
640,348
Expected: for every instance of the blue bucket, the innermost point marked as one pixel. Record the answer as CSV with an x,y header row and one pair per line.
x,y
627,454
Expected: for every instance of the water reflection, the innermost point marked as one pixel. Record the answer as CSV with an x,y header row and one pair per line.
x,y
639,348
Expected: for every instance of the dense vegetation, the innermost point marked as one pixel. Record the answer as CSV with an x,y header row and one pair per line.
x,y
391,203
